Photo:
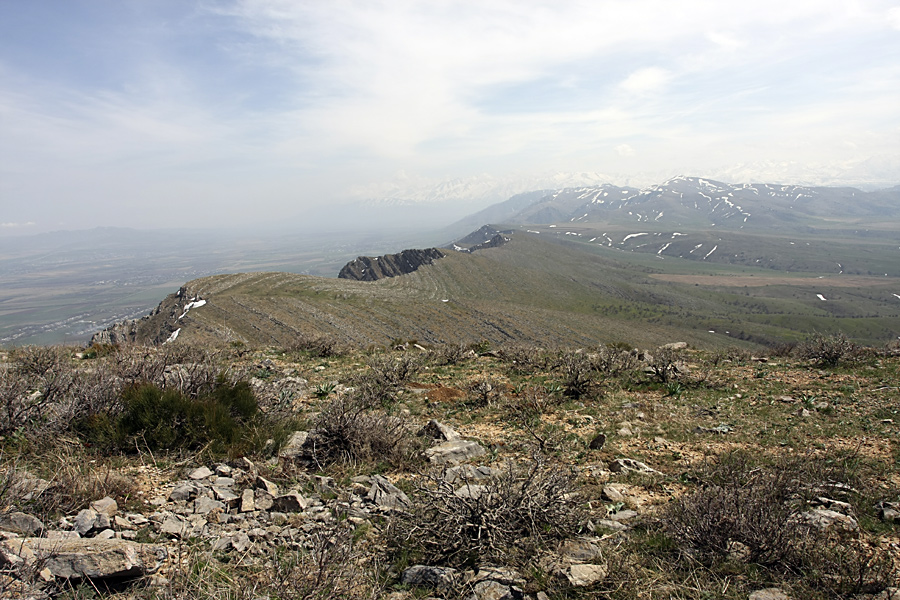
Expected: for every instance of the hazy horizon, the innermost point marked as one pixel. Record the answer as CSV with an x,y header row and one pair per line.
x,y
245,113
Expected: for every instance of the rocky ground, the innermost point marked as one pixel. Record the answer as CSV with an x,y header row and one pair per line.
x,y
469,473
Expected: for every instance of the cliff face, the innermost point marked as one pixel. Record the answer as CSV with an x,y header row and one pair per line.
x,y
373,268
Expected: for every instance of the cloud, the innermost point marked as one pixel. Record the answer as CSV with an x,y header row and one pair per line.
x,y
646,81
17,225
893,17
624,150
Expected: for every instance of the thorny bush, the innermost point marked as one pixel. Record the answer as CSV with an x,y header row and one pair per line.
x,y
759,512
502,520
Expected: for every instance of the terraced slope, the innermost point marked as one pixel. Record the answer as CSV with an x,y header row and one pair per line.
x,y
528,290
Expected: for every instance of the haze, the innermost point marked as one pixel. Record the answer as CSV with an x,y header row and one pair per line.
x,y
238,113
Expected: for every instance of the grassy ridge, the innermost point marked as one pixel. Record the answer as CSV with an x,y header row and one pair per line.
x,y
542,291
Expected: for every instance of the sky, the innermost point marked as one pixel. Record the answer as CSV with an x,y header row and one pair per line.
x,y
177,113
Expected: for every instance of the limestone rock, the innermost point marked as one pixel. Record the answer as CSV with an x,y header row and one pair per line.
x,y
89,559
200,473
107,506
454,451
21,523
293,447
585,575
386,494
624,465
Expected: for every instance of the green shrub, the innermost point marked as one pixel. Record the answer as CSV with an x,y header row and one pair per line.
x,y
826,350
165,419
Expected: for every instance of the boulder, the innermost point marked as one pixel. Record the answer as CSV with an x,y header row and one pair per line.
x,y
454,451
293,447
200,473
88,559
107,506
585,575
21,523
386,494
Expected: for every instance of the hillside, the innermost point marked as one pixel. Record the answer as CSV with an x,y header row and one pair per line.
x,y
533,289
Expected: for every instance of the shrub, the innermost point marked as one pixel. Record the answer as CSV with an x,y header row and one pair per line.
x,y
663,364
577,372
756,508
350,430
166,419
500,521
392,371
33,387
826,350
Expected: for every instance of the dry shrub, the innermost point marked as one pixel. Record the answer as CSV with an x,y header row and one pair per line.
x,y
826,350
614,361
577,372
524,358
754,508
317,345
70,482
450,354
350,429
323,565
503,520
33,386
392,371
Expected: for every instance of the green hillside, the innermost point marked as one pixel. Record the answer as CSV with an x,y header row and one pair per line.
x,y
539,290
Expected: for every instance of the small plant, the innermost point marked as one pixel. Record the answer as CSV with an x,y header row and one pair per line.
x,y
674,389
323,390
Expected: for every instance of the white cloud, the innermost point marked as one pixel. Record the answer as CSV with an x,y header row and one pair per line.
x,y
17,225
646,81
893,17
624,150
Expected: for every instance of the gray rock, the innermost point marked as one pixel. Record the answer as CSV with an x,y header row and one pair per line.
x,y
439,578
248,502
613,493
585,575
204,505
200,473
494,590
454,451
184,492
290,503
769,594
88,559
106,506
224,494
173,525
21,523
264,484
467,473
471,491
89,520
294,446
823,518
106,534
224,482
386,494
622,515
263,500
580,550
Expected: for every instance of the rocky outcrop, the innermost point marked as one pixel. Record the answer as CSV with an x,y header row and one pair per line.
x,y
373,268
486,237
157,327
